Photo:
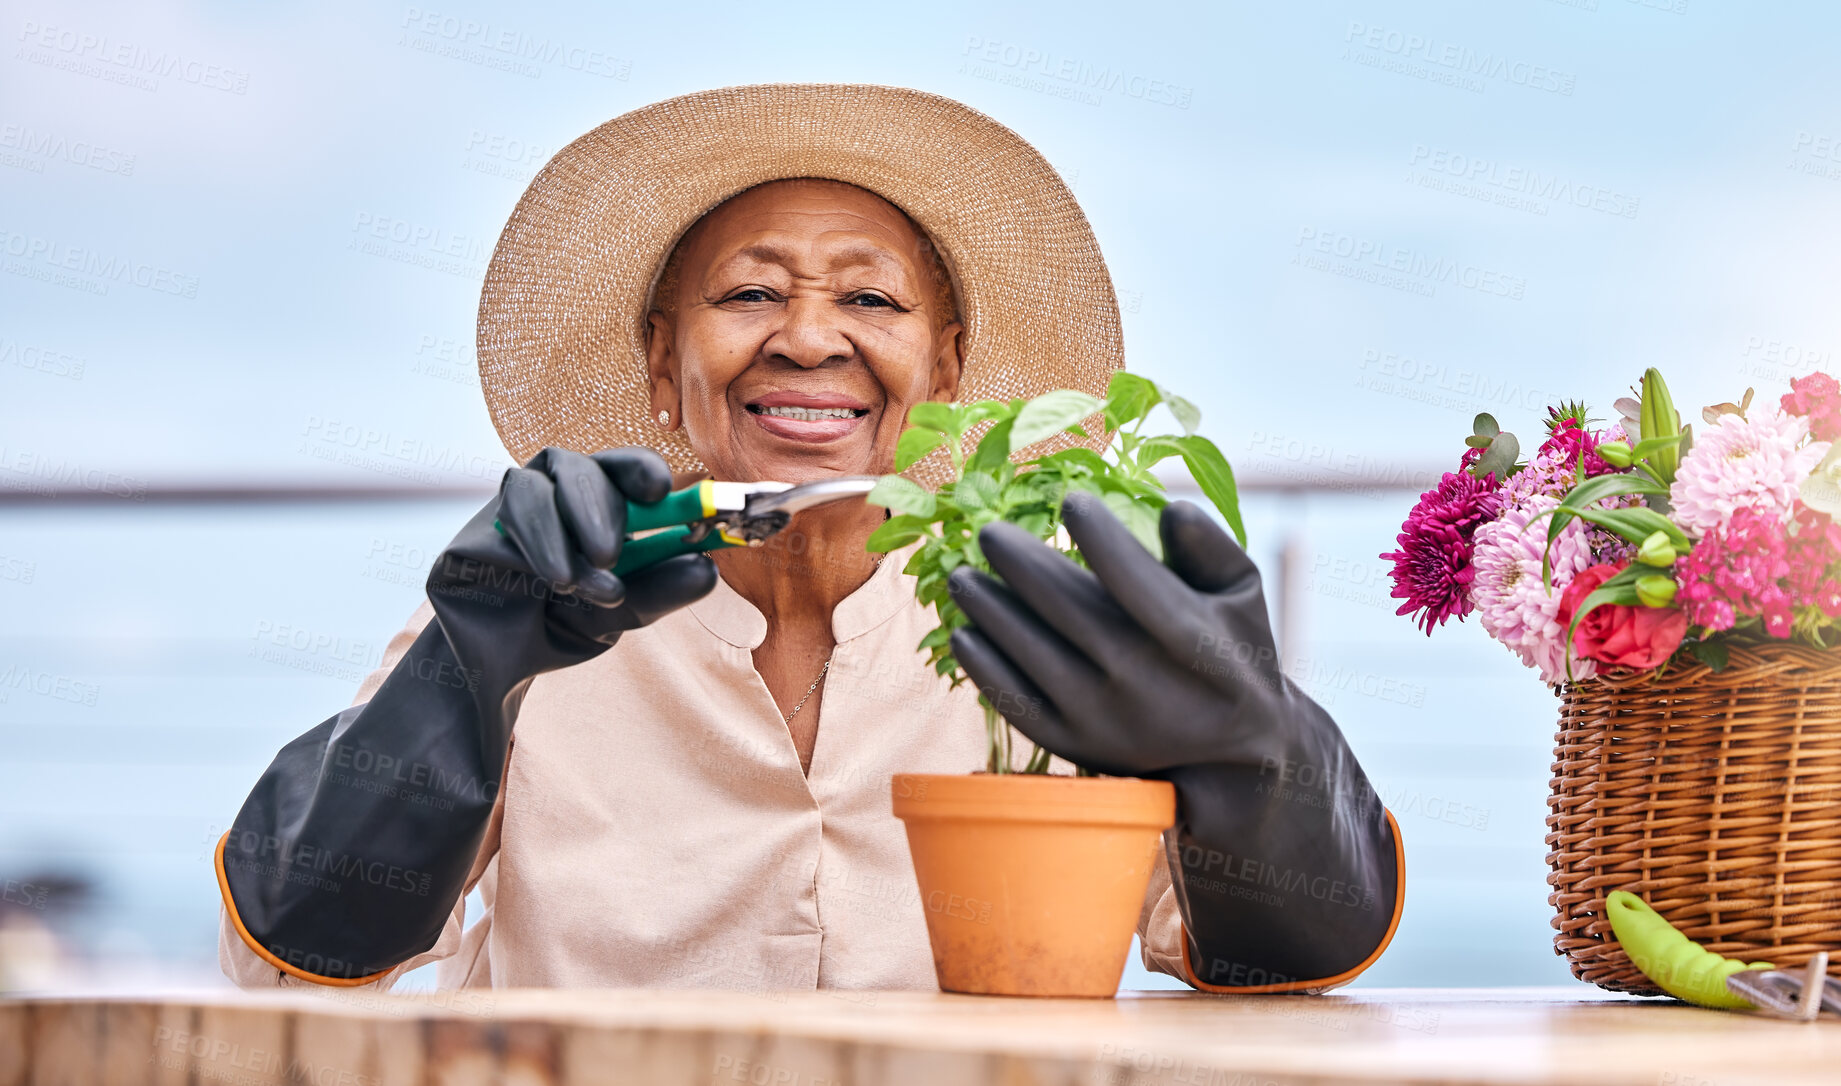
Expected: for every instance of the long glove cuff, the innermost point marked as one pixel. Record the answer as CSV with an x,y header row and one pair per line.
x,y
1290,875
350,852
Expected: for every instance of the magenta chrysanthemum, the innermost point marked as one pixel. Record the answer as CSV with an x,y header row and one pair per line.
x,y
1432,567
1512,603
1743,462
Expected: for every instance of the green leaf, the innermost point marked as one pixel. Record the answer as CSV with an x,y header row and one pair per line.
x,y
1139,519
1157,448
1215,476
1049,414
944,418
1076,458
1636,524
1499,458
903,495
1484,425
993,448
1129,398
1643,450
977,492
1478,441
985,410
914,443
936,637
1188,416
896,533
1711,653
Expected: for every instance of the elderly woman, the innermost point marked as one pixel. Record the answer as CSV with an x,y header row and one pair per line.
x,y
758,284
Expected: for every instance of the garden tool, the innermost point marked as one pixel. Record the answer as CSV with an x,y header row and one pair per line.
x,y
1785,993
711,514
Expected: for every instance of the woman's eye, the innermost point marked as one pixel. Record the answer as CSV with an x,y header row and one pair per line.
x,y
751,294
869,301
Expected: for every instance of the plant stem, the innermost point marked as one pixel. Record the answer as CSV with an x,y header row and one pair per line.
x,y
994,763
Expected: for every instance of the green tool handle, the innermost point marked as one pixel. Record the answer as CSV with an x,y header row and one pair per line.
x,y
637,554
678,507
673,515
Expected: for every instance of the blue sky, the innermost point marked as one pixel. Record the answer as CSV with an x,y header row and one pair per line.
x,y
1583,189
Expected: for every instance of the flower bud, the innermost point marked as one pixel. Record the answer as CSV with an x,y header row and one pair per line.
x,y
1614,453
1656,551
1655,590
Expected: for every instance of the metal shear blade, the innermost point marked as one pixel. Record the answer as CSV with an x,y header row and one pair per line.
x,y
767,507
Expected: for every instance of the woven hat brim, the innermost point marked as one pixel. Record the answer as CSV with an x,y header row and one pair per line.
x,y
563,309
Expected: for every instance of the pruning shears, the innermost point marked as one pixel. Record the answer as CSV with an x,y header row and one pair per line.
x,y
710,515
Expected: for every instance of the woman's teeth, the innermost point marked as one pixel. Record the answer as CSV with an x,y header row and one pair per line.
x,y
807,414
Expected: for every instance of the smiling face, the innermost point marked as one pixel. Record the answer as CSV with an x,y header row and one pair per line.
x,y
796,325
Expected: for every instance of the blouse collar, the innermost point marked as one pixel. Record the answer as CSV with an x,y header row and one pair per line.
x,y
727,615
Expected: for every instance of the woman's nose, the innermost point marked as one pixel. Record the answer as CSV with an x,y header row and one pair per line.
x,y
811,334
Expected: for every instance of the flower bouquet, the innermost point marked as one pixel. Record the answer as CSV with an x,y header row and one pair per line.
x,y
1681,592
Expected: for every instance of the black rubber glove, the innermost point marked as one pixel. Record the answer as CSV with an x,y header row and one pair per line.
x,y
351,851
1283,857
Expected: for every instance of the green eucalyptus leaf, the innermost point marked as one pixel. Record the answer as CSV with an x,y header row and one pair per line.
x,y
896,533
1484,425
903,495
914,443
1499,458
1215,476
1478,441
1049,414
1129,398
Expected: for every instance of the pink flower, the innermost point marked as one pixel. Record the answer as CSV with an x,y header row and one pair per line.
x,y
1735,571
1432,567
1816,397
1738,462
1513,604
1618,634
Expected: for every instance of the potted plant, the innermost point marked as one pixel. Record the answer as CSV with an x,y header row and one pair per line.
x,y
1681,595
1032,880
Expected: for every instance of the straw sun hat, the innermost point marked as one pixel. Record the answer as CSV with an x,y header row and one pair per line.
x,y
562,316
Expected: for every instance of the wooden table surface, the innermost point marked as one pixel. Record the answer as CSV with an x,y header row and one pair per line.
x,y
925,1039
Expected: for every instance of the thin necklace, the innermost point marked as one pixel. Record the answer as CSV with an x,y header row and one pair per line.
x,y
809,689
824,669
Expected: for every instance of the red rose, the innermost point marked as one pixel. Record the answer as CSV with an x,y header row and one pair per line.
x,y
1631,636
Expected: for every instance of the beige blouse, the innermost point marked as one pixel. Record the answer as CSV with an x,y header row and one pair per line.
x,y
655,829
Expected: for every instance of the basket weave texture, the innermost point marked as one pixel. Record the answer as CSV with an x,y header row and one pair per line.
x,y
1713,796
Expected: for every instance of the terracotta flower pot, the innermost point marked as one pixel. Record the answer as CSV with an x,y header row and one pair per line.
x,y
1032,885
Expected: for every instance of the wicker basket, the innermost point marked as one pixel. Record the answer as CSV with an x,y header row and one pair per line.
x,y
1714,796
